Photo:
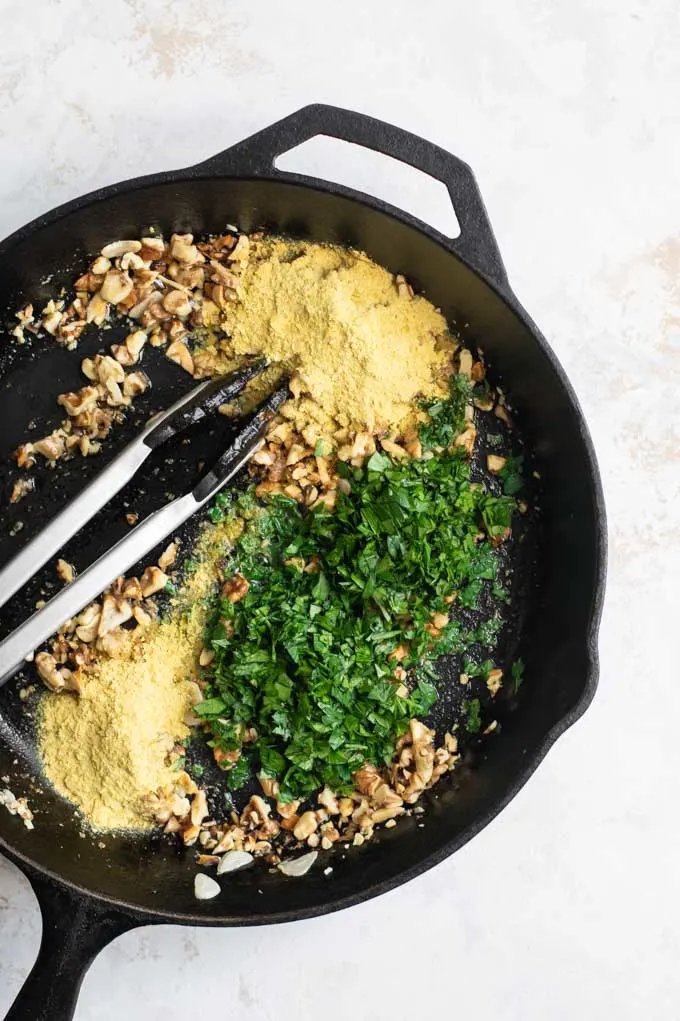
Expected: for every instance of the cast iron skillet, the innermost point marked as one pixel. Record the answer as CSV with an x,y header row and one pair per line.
x,y
88,895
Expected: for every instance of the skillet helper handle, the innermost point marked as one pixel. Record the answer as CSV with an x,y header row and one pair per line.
x,y
256,155
74,929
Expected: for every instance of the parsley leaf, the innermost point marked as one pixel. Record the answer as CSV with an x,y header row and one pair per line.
x,y
239,774
512,475
473,721
517,673
378,462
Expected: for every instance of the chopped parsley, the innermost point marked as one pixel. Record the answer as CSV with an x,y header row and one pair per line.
x,y
512,475
517,673
447,417
323,448
487,632
474,669
239,774
473,718
304,658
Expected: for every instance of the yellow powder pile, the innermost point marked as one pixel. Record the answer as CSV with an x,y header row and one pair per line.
x,y
108,749
360,352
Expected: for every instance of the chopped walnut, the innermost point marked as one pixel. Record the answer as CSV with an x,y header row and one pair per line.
x,y
177,304
114,395
141,616
118,248
80,401
235,588
269,785
135,342
328,800
97,310
180,354
384,814
199,807
494,681
346,806
306,825
467,438
135,383
241,249
87,623
55,677
99,267
288,809
403,287
51,447
182,249
168,556
151,249
24,455
395,449
152,581
115,611
465,363
495,463
65,571
17,806
132,589
20,489
49,672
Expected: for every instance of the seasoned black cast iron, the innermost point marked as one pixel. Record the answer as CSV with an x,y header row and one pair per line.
x,y
88,896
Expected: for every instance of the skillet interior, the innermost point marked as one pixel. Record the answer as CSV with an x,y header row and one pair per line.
x,y
555,642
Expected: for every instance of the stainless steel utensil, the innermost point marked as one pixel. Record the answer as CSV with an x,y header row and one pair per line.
x,y
142,538
189,409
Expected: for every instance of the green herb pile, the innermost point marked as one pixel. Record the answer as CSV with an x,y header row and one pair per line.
x,y
304,657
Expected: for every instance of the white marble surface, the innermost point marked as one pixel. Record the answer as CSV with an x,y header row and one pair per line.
x,y
566,907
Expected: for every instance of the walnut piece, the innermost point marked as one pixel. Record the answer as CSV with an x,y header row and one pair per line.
x,y
135,383
495,463
65,571
114,613
180,354
118,248
168,556
20,489
494,681
152,581
235,588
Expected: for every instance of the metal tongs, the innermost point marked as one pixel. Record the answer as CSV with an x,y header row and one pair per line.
x,y
194,406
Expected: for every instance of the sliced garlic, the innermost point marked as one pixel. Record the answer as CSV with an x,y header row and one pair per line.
x,y
234,860
298,866
205,888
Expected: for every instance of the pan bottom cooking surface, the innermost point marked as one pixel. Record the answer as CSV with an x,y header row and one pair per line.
x,y
40,365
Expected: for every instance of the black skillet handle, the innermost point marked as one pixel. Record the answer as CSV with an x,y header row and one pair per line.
x,y
75,929
255,156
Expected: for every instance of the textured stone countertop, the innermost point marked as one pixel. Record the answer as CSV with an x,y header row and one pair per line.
x,y
566,906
